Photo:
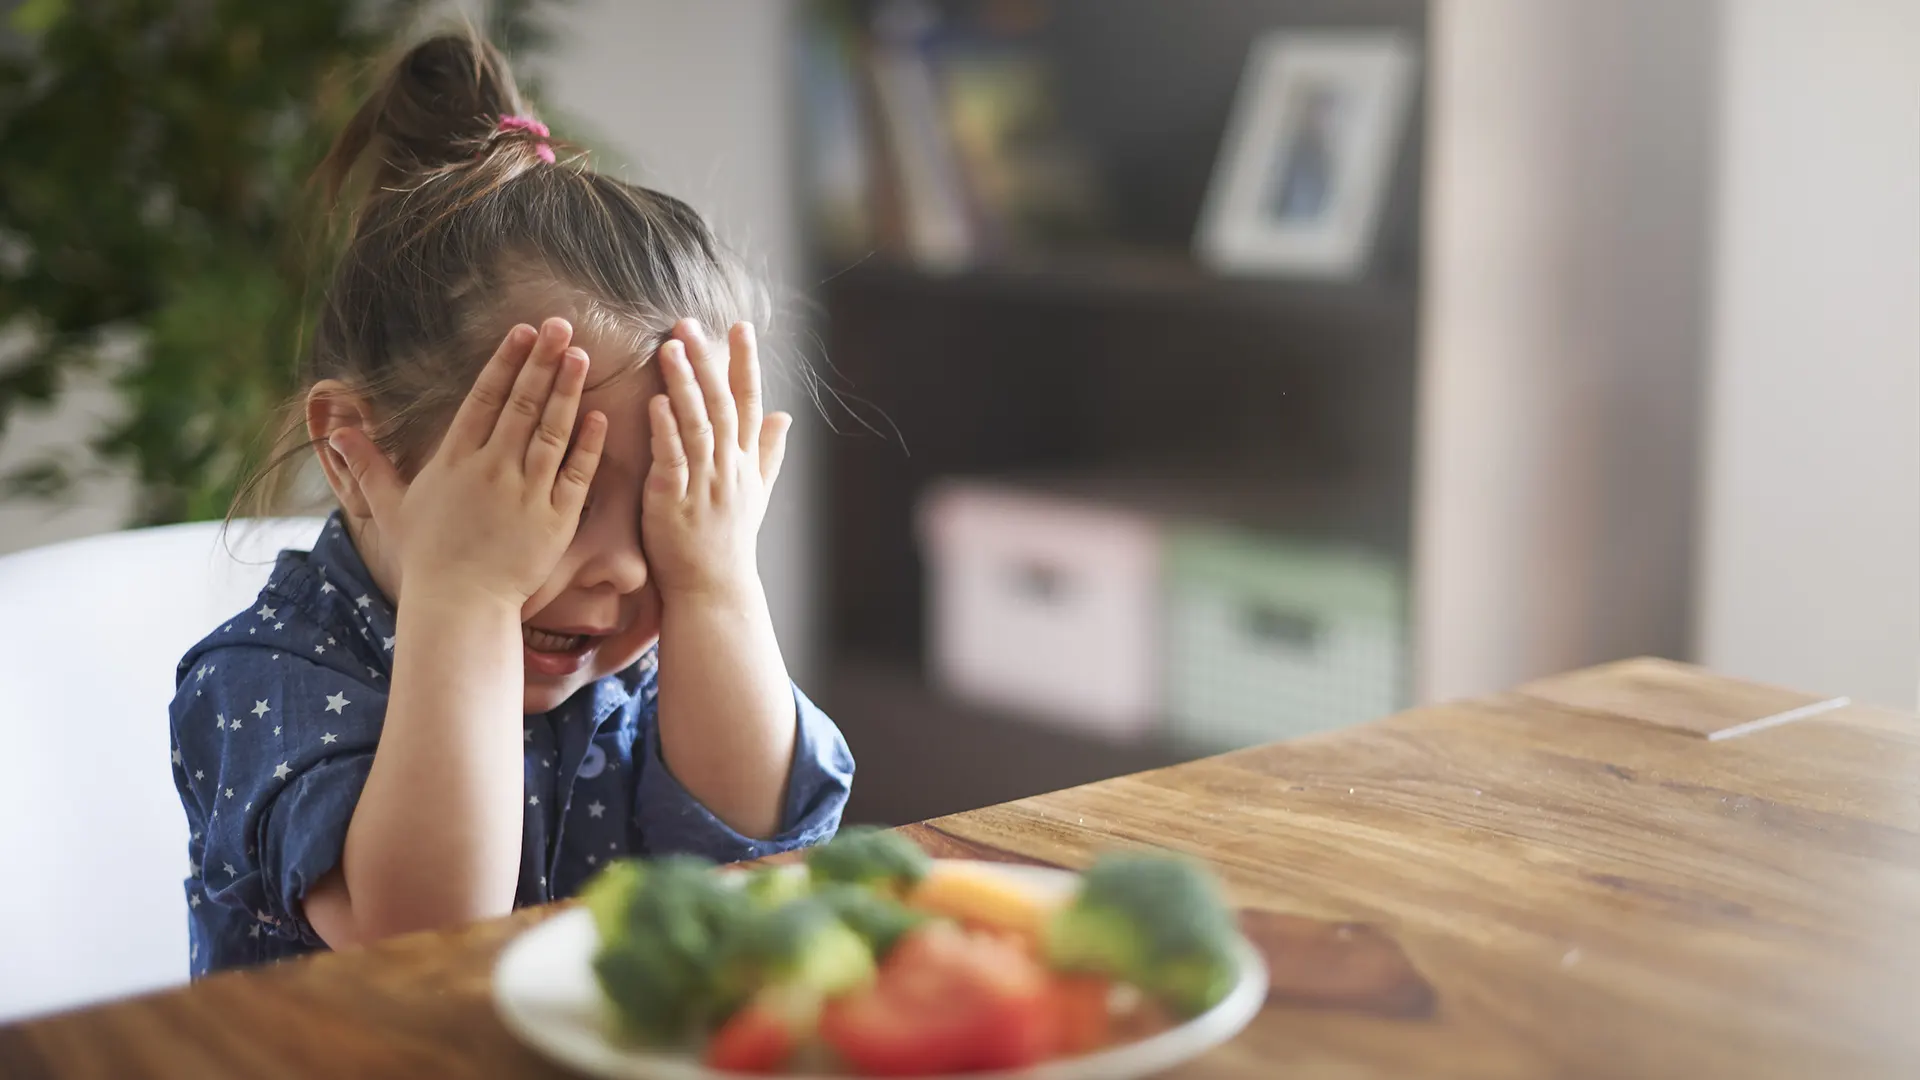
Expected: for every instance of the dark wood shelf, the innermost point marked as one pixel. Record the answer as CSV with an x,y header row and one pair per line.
x,y
921,754
1169,279
1108,353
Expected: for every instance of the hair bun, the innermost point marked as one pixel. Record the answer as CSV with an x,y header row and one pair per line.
x,y
438,106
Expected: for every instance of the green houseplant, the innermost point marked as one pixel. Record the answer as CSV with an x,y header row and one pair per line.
x,y
156,224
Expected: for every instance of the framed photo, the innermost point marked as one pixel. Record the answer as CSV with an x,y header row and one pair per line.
x,y
1308,154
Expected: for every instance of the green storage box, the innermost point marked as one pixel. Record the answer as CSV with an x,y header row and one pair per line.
x,y
1269,639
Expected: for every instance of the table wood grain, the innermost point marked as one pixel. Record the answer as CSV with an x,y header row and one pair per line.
x,y
1575,879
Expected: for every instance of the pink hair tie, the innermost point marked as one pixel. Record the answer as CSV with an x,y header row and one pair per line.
x,y
534,127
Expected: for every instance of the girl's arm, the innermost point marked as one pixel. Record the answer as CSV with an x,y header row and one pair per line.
x,y
726,709
435,837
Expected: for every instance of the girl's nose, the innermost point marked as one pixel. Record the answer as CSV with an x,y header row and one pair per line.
x,y
610,556
620,565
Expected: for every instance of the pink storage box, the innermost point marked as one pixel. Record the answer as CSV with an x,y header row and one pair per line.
x,y
1045,606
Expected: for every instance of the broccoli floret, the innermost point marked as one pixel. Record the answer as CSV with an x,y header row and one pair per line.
x,y
771,886
878,919
663,927
1154,921
609,893
874,857
800,946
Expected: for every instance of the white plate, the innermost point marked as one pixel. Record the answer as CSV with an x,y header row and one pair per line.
x,y
544,990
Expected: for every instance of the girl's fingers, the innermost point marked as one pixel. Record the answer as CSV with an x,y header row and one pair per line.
x,y
669,474
474,420
528,398
743,371
710,370
378,480
549,445
576,476
773,447
694,427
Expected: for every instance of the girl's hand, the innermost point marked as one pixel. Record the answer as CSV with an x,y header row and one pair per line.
x,y
497,504
715,460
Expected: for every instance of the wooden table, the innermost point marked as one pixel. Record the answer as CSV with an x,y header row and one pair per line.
x,y
1640,870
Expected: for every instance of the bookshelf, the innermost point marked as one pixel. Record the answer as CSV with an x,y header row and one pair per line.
x,y
1108,352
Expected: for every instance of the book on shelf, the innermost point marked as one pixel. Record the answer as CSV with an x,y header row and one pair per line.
x,y
939,140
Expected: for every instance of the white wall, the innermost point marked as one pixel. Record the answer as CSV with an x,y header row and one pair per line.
x,y
694,97
1568,177
1811,540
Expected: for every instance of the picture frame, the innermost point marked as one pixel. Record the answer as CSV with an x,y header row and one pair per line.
x,y
1308,154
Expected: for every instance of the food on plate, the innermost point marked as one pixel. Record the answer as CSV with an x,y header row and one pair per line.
x,y
664,925
874,959
948,1000
771,886
784,964
876,858
978,894
879,919
1154,922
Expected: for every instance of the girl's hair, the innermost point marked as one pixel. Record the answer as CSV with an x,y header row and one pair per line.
x,y
451,211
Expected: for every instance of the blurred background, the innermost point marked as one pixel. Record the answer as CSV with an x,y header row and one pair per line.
x,y
1173,376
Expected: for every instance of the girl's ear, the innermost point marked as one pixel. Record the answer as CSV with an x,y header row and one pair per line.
x,y
331,406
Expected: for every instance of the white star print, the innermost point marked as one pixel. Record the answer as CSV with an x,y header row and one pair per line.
x,y
254,930
374,672
226,628
543,883
593,860
266,612
176,756
526,735
330,640
194,901
337,703
596,808
220,720
251,629
319,649
276,656
533,800
276,731
204,671
261,708
265,918
363,600
199,774
612,846
329,737
326,587
234,724
193,868
249,806
386,643
228,867
279,626
281,772
229,793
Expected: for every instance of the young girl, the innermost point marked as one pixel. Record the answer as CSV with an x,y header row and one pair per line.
x,y
532,638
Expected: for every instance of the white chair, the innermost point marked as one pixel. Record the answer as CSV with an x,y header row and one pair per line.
x,y
92,837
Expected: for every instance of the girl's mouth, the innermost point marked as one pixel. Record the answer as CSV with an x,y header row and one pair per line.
x,y
554,653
